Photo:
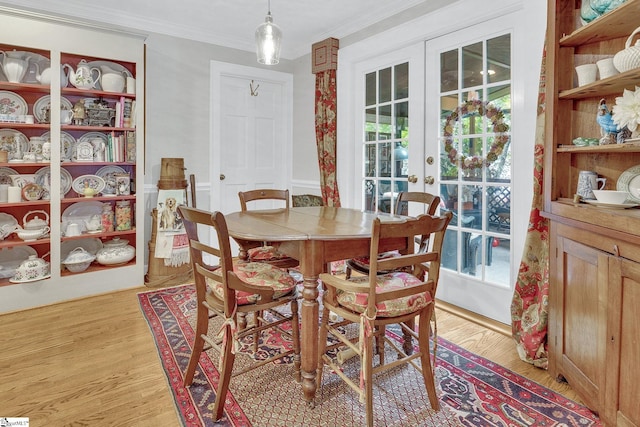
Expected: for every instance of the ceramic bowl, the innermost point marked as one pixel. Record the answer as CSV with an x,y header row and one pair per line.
x,y
116,251
78,260
611,196
33,268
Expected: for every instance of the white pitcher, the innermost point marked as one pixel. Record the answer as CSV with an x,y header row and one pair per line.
x,y
13,66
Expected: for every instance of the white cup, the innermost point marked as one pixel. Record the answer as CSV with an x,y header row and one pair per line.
x,y
4,193
72,230
131,85
28,119
606,68
586,74
14,194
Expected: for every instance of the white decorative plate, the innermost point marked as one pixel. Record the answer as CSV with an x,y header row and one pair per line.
x,y
79,212
107,173
5,173
625,205
629,181
67,144
12,104
43,178
42,104
9,140
92,181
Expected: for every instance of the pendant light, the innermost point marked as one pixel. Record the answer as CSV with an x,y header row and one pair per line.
x,y
268,39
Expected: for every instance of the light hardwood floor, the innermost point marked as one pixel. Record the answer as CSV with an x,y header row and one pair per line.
x,y
92,362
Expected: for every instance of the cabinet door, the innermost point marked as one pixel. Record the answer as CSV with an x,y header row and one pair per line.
x,y
579,344
623,371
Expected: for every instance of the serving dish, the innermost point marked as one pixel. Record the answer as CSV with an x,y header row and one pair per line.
x,y
90,244
629,181
107,173
31,270
625,205
43,104
5,175
43,178
13,141
11,258
67,144
12,104
78,260
83,182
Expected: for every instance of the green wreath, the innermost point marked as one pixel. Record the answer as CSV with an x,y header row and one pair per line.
x,y
500,128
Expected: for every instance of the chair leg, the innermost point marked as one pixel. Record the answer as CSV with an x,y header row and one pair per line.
x,y
322,345
295,335
425,358
368,380
380,342
225,374
407,344
202,325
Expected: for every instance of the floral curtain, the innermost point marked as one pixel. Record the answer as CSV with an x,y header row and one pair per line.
x,y
530,304
326,114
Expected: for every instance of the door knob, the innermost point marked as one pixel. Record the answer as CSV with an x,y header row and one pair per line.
x,y
429,180
412,179
430,160
222,177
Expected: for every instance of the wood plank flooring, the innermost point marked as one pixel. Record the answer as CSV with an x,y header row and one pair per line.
x,y
92,362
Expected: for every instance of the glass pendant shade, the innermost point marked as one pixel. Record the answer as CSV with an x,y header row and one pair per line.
x,y
268,40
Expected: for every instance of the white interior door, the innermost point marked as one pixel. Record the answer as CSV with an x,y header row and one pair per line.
x,y
251,132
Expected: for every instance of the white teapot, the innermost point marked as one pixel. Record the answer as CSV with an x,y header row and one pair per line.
x,y
13,65
36,223
83,77
44,77
94,223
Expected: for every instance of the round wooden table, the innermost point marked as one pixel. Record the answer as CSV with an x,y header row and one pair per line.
x,y
315,236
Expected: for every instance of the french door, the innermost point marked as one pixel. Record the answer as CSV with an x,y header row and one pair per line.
x,y
441,117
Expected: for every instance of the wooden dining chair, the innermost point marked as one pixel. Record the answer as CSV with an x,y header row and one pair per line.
x,y
430,202
228,289
377,300
268,251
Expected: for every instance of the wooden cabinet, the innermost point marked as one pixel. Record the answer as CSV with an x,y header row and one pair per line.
x,y
594,337
107,143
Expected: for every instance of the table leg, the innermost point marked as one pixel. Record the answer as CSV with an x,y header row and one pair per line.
x,y
309,337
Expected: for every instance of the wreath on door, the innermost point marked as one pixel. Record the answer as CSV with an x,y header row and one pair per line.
x,y
499,127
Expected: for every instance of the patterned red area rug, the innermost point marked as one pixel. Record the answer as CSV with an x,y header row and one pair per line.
x,y
473,391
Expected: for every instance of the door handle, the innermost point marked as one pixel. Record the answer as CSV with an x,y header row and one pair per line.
x,y
412,179
429,180
222,177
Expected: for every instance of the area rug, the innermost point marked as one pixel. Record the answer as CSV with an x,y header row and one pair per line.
x,y
473,391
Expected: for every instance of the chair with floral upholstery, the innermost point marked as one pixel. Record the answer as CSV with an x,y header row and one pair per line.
x,y
306,200
377,300
268,251
430,202
229,289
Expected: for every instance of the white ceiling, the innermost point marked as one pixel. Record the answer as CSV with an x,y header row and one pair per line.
x,y
232,23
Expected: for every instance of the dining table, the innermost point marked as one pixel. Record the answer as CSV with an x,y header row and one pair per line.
x,y
315,236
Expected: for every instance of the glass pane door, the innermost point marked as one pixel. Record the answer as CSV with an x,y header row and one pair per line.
x,y
385,137
475,157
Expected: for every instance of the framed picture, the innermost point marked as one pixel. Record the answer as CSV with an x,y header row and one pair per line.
x,y
168,217
123,184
